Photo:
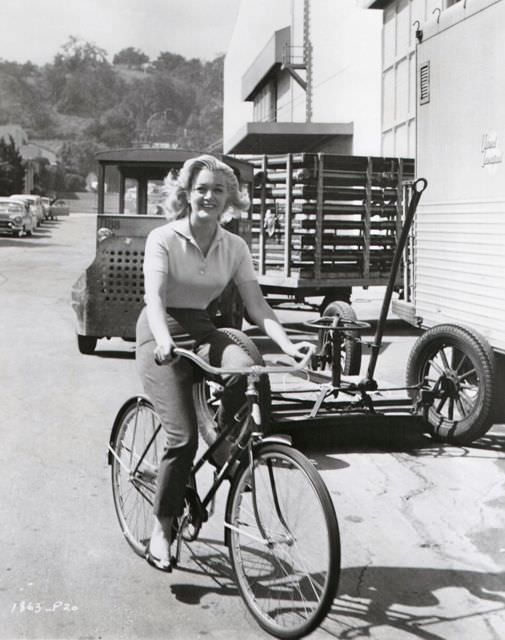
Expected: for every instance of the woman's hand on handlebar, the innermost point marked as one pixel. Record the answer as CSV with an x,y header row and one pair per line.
x,y
298,350
164,353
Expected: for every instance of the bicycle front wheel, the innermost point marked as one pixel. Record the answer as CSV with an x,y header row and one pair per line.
x,y
137,447
284,541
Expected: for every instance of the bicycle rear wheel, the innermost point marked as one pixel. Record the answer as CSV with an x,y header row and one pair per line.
x,y
133,488
285,549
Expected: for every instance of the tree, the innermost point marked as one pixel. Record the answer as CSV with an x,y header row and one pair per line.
x,y
79,157
12,172
78,54
81,82
131,57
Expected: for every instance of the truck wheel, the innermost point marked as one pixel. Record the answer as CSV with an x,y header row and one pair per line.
x,y
350,360
86,344
457,364
206,391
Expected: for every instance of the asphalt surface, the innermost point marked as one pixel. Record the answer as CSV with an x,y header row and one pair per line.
x,y
422,524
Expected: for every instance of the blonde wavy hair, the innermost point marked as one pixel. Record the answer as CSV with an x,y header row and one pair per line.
x,y
176,203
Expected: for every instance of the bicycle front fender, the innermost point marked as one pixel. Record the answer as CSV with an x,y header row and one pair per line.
x,y
271,439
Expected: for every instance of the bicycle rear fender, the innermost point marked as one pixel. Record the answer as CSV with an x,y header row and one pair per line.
x,y
131,402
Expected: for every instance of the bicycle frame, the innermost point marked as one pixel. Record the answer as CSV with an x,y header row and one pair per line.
x,y
247,422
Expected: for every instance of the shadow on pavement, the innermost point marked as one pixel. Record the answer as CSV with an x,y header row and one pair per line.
x,y
398,598
388,596
366,434
115,353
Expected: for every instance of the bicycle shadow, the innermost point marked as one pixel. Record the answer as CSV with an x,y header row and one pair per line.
x,y
410,599
401,599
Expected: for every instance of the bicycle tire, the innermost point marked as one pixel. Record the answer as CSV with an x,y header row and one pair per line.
x,y
133,496
286,590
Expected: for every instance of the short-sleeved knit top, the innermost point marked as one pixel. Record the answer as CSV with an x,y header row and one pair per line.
x,y
194,280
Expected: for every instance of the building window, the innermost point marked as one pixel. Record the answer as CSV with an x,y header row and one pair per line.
x,y
265,103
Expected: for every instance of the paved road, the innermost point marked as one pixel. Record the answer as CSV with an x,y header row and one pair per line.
x,y
422,525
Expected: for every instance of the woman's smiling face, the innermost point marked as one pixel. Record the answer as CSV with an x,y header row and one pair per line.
x,y
209,194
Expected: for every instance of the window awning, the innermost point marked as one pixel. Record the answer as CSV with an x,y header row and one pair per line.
x,y
291,137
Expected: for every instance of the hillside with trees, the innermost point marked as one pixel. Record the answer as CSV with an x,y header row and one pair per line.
x,y
82,103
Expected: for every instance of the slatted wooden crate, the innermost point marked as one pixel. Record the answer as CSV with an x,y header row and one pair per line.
x,y
321,218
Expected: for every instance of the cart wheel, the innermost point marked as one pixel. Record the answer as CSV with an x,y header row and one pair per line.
x,y
457,364
350,358
342,294
86,344
206,391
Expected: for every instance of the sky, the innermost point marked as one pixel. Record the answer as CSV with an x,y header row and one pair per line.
x,y
35,30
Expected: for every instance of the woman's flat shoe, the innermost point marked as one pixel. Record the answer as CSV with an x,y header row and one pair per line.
x,y
157,563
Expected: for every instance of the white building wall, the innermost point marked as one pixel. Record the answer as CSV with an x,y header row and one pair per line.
x,y
346,66
401,19
256,23
347,69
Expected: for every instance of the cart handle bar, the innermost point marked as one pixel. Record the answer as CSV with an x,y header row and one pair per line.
x,y
256,369
337,323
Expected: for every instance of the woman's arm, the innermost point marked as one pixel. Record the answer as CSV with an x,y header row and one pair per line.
x,y
154,284
263,315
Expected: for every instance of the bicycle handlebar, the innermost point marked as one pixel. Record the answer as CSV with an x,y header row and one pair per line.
x,y
257,369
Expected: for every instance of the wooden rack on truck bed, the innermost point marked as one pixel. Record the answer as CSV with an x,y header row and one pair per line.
x,y
322,223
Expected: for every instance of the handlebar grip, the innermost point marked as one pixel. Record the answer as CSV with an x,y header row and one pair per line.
x,y
172,354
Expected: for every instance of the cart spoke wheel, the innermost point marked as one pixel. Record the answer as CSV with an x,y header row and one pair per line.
x,y
457,365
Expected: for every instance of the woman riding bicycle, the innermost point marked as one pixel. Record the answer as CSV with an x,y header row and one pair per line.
x,y
188,263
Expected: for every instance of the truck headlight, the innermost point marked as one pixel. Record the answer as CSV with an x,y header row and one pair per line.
x,y
17,219
103,233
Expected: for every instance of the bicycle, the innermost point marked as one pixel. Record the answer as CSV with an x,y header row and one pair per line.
x,y
280,525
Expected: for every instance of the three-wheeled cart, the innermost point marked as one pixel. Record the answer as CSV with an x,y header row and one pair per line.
x,y
449,372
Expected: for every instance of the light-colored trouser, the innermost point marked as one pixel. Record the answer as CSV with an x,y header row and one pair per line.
x,y
170,388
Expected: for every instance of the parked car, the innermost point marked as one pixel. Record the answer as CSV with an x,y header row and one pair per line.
x,y
16,217
35,204
46,206
59,208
